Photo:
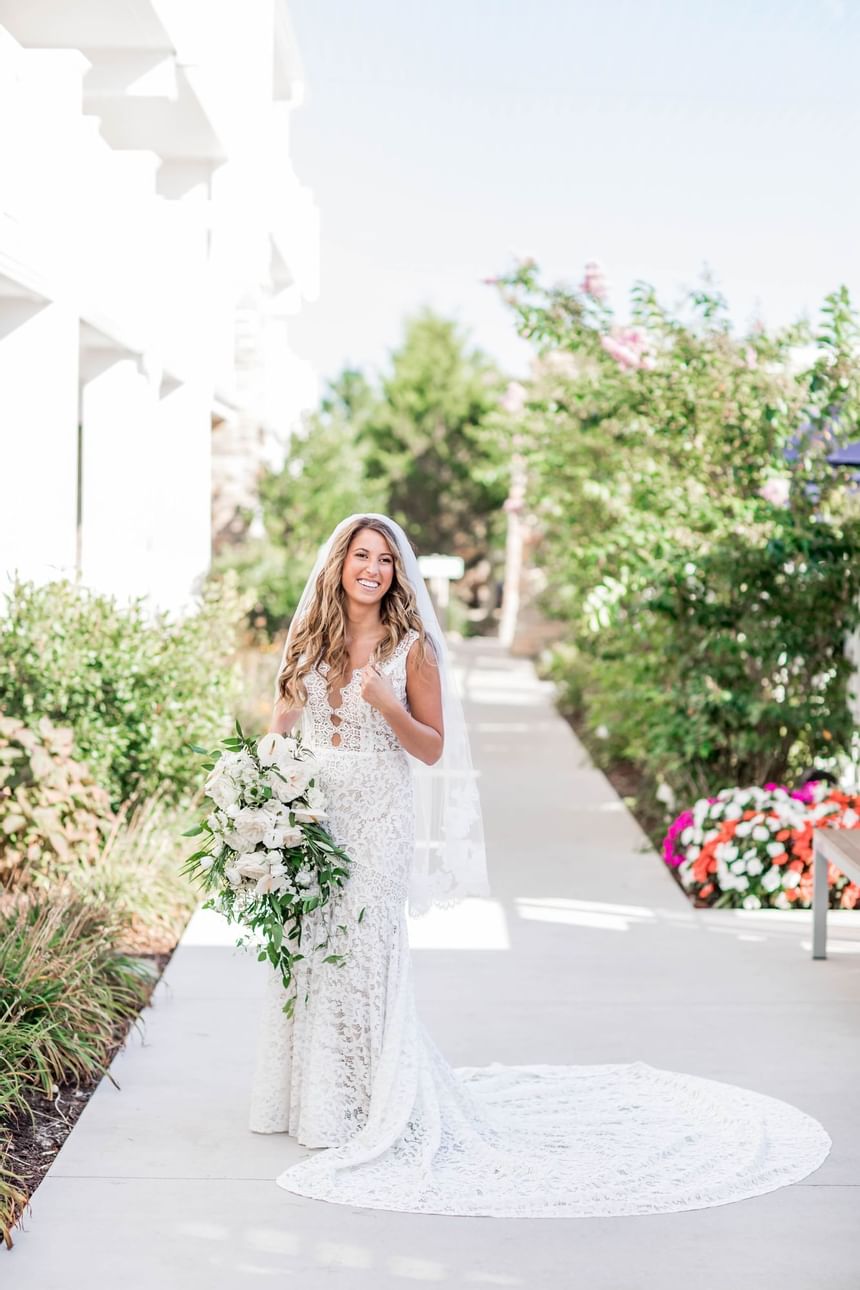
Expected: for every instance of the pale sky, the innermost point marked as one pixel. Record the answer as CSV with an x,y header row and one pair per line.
x,y
657,136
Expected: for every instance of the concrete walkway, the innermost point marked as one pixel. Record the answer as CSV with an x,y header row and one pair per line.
x,y
587,953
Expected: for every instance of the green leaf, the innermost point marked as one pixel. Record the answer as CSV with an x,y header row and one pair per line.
x,y
193,832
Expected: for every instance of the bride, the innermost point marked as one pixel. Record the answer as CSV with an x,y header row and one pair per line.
x,y
354,1075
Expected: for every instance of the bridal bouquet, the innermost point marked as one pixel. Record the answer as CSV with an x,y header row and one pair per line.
x,y
752,847
267,860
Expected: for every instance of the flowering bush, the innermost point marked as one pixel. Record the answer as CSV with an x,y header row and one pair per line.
x,y
267,858
690,534
752,847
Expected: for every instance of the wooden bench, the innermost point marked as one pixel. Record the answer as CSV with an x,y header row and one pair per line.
x,y
842,848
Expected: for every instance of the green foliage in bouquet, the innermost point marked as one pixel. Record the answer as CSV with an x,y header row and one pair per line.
x,y
267,861
53,817
690,533
123,679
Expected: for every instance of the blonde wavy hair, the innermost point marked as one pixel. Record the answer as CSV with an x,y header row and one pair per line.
x,y
321,634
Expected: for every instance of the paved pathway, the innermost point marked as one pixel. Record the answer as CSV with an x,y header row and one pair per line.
x,y
587,953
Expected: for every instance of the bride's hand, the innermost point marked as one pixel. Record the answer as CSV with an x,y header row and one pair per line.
x,y
376,688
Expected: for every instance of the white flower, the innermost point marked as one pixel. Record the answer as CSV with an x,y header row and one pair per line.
x,y
231,873
276,750
754,866
761,834
772,879
752,902
775,849
728,851
664,794
790,878
744,829
733,811
251,864
315,809
249,827
781,901
288,784
220,785
206,862
741,883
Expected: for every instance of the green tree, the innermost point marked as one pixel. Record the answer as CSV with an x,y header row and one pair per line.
x,y
431,439
426,444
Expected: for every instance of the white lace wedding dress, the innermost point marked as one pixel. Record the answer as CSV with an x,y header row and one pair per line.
x,y
356,1075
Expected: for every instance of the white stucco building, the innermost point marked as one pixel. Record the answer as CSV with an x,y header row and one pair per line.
x,y
154,243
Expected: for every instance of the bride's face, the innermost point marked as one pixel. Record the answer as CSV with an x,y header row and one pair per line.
x,y
368,569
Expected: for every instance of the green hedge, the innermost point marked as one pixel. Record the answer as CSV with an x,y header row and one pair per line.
x,y
133,686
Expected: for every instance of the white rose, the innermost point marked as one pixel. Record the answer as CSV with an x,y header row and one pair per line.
x,y
282,787
220,785
250,826
278,831
290,780
231,873
251,864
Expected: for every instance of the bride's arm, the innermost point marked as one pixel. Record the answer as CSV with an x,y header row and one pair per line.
x,y
283,718
420,729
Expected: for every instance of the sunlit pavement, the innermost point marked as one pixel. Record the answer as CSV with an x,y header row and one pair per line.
x,y
587,952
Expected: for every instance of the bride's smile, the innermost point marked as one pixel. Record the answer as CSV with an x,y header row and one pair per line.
x,y
368,570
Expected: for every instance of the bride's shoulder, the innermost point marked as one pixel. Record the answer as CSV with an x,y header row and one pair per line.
x,y
404,645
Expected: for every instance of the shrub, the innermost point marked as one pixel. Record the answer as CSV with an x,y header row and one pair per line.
x,y
130,685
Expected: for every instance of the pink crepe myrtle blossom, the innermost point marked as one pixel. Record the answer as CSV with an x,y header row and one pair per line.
x,y
775,491
594,282
514,398
628,346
